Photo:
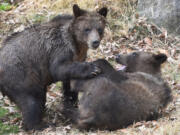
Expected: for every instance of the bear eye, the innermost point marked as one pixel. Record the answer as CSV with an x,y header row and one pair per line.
x,y
87,30
100,30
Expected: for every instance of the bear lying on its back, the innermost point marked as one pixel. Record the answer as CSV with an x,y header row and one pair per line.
x,y
116,99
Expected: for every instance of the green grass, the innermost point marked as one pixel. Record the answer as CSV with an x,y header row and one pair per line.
x,y
58,86
3,112
5,6
6,129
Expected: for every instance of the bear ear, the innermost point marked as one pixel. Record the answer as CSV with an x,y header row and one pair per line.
x,y
77,11
160,58
103,11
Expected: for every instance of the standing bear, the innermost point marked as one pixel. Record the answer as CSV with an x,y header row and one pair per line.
x,y
115,99
46,53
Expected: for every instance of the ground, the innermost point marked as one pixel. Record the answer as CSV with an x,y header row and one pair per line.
x,y
125,32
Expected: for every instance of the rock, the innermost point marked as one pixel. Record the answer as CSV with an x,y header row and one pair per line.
x,y
164,13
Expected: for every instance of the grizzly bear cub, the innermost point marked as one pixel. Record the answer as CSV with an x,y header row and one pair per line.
x,y
116,99
46,53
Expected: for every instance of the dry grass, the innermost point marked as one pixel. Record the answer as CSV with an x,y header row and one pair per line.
x,y
120,12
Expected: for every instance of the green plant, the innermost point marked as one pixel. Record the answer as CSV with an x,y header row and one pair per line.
x,y
7,128
5,6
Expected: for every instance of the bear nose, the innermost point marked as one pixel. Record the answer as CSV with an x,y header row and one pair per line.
x,y
95,44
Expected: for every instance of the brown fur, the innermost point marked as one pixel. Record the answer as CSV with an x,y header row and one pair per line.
x,y
116,99
82,53
46,53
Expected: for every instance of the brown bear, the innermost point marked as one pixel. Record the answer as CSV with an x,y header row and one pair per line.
x,y
46,53
116,99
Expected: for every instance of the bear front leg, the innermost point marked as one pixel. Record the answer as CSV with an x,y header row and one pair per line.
x,y
70,100
70,97
32,108
74,70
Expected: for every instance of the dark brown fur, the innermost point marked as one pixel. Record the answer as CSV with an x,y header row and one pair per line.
x,y
116,99
46,53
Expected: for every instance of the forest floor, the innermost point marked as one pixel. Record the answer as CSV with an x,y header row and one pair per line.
x,y
125,32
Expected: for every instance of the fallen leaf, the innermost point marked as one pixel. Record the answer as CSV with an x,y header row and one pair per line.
x,y
128,50
148,41
52,94
138,124
163,51
141,43
137,15
15,120
162,36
